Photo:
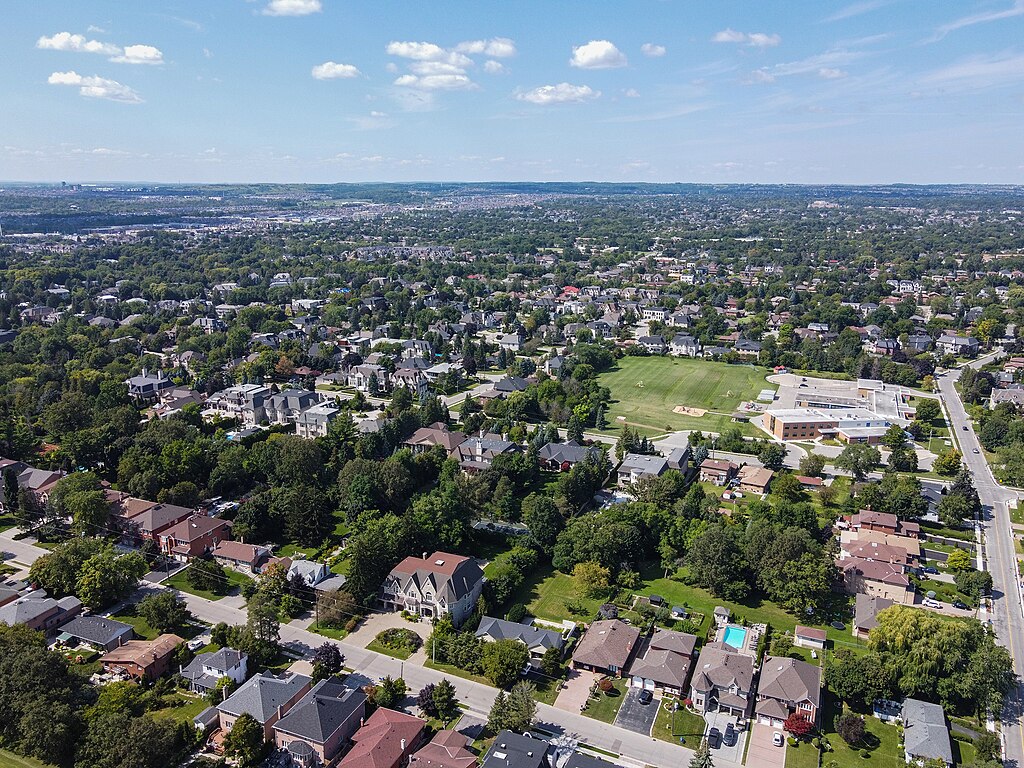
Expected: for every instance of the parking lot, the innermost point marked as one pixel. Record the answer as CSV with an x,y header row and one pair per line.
x,y
637,717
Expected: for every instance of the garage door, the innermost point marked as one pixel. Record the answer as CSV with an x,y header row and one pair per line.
x,y
641,682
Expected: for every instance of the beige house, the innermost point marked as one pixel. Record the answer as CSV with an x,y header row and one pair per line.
x,y
787,686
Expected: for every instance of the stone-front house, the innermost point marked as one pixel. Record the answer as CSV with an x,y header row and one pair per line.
x,y
787,686
723,680
440,584
316,729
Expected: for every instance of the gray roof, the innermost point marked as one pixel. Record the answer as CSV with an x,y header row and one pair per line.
x,y
510,750
221,661
865,615
97,629
324,709
651,465
570,451
790,681
261,695
925,734
719,666
531,637
31,607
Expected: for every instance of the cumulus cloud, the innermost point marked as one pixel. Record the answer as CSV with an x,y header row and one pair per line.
x,y
130,54
597,54
753,39
493,67
292,7
652,49
562,93
431,67
94,87
496,47
427,52
438,82
332,70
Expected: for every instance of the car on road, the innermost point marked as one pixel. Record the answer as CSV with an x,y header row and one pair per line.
x,y
714,738
777,738
195,644
965,428
645,697
929,603
976,450
730,735
961,605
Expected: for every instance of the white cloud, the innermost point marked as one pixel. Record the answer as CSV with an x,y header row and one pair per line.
x,y
140,54
496,47
493,67
857,9
332,70
431,67
96,87
558,94
826,65
65,41
96,30
652,49
597,54
292,7
831,73
631,93
981,71
427,52
753,39
439,82
1017,9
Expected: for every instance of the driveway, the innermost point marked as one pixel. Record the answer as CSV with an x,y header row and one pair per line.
x,y
762,753
576,690
734,753
634,716
376,623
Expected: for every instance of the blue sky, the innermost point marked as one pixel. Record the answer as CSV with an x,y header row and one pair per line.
x,y
869,91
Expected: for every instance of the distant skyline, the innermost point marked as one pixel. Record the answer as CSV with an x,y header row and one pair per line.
x,y
870,91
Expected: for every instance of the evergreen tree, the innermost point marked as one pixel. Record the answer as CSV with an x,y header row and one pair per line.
x,y
702,757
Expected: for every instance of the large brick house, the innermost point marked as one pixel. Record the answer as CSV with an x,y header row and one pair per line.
x,y
433,586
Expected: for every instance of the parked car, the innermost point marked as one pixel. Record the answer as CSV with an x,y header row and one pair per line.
x,y
961,605
645,697
930,569
931,603
714,738
195,644
730,734
777,738
965,427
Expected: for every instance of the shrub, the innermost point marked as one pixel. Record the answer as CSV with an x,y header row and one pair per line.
x,y
850,727
516,613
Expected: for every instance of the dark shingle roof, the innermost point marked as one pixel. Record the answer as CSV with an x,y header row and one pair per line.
x,y
322,711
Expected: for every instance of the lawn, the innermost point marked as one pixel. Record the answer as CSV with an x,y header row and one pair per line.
x,y
397,653
448,669
546,688
11,760
179,581
881,742
184,712
606,706
545,593
142,628
668,382
689,726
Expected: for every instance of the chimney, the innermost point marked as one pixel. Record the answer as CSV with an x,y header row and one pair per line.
x,y
426,555
278,711
403,745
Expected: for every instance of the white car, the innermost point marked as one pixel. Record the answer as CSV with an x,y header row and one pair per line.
x,y
195,644
777,738
928,602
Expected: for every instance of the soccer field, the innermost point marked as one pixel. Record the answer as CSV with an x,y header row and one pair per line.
x,y
646,389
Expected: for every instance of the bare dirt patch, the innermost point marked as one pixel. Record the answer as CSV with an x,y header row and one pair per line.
x,y
685,410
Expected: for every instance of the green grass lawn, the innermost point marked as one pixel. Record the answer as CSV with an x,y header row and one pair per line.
x,y
546,689
11,760
545,593
331,632
190,707
179,581
398,653
606,706
142,628
881,742
688,729
290,550
448,669
671,381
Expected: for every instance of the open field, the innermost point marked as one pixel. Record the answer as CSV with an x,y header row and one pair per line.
x,y
179,581
669,382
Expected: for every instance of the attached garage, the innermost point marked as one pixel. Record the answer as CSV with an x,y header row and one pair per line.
x,y
641,682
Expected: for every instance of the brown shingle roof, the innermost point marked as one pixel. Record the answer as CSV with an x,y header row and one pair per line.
x,y
607,644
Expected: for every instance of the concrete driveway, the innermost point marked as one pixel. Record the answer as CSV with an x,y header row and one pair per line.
x,y
734,753
634,716
375,623
762,752
576,690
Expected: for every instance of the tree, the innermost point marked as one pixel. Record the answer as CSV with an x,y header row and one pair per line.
x,y
812,465
953,509
12,494
335,609
164,611
107,576
787,487
206,574
498,717
425,700
894,439
327,661
446,702
850,727
987,746
551,662
575,428
857,679
859,459
959,560
522,706
390,692
714,561
948,463
702,756
245,740
798,725
503,661
928,410
543,519
974,584
590,579
263,624
772,455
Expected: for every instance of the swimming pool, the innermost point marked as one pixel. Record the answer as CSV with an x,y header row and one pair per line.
x,y
735,636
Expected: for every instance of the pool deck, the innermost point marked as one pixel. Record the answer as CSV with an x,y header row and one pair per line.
x,y
751,637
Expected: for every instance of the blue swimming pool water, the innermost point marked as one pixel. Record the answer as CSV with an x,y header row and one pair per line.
x,y
735,636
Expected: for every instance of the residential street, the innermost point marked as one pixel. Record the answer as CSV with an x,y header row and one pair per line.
x,y
1008,620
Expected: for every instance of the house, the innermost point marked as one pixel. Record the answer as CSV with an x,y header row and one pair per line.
x,y
386,740
717,471
316,729
316,420
98,631
446,750
865,614
152,521
664,661
637,466
286,406
425,438
925,733
884,522
437,585
809,637
787,686
679,459
143,660
247,558
310,571
207,669
872,577
39,612
512,750
723,680
538,641
266,697
477,453
655,345
561,457
684,345
960,346
146,387
809,483
194,537
755,479
608,646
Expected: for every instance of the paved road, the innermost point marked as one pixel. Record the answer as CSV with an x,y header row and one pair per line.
x,y
1008,620
475,697
24,552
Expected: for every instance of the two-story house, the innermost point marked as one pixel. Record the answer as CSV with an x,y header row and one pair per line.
x,y
317,728
787,686
207,669
723,680
436,585
266,697
194,537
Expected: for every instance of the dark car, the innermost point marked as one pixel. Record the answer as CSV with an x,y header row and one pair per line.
x,y
960,604
730,735
645,697
931,569
714,738
965,427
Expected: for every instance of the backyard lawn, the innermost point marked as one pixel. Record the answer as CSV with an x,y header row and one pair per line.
x,y
189,707
545,593
646,389
179,581
881,741
11,760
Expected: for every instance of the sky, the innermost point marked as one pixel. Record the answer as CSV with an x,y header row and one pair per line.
x,y
772,91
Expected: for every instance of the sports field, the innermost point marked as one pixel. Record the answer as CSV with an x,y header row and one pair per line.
x,y
645,390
